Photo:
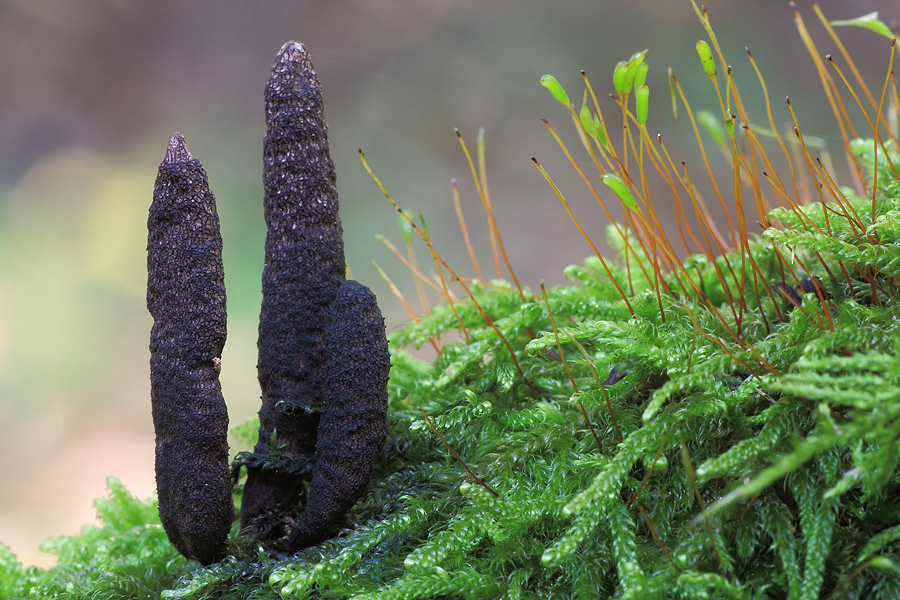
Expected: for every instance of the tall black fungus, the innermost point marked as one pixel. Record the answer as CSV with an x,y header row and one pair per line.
x,y
186,297
353,427
303,270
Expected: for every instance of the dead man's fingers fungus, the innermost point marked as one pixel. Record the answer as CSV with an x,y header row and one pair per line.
x,y
186,297
323,355
353,427
304,267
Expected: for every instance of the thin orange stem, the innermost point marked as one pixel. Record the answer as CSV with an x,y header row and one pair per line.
x,y
562,357
586,237
686,457
834,99
456,456
877,138
809,165
662,443
656,537
465,230
399,295
415,271
710,221
600,384
485,200
787,155
446,291
456,277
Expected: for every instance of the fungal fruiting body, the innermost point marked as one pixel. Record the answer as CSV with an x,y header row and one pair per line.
x,y
353,428
186,297
303,270
303,273
323,355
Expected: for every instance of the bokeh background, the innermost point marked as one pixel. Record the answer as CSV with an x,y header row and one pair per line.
x,y
91,90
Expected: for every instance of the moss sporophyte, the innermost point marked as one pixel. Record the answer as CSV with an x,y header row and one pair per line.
x,y
715,414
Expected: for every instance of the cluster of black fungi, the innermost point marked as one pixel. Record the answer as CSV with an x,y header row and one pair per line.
x,y
323,356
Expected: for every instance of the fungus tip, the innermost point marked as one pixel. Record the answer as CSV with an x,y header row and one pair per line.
x,y
289,51
177,151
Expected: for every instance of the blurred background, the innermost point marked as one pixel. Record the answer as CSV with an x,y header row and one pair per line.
x,y
90,92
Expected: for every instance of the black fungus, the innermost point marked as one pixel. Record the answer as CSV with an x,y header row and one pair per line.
x,y
815,286
614,376
323,355
786,291
353,426
304,267
186,297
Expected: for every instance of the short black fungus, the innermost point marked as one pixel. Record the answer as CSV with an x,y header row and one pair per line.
x,y
815,286
788,292
353,427
614,376
186,297
304,267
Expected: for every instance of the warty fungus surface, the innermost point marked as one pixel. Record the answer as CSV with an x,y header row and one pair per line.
x,y
186,297
353,426
303,270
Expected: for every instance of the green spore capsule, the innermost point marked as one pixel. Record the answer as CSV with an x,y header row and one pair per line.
x,y
354,414
406,230
424,226
586,120
186,297
729,124
591,123
642,101
869,21
618,186
706,59
640,77
601,135
634,64
556,89
619,74
672,94
304,267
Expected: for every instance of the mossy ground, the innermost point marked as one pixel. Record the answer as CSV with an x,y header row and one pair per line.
x,y
688,440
